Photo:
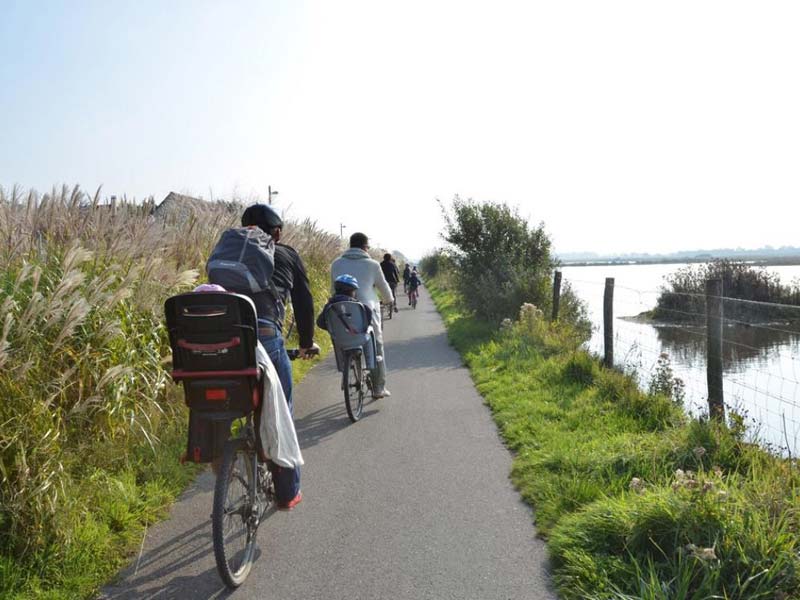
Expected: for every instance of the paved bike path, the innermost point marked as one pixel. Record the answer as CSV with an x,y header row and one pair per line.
x,y
411,502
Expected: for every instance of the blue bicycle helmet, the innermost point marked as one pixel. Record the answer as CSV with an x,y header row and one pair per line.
x,y
346,281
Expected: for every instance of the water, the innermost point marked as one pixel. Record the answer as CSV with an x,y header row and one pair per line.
x,y
761,364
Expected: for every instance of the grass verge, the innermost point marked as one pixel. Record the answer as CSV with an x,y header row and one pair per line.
x,y
635,499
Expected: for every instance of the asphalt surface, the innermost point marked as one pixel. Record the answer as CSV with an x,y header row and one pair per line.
x,y
411,502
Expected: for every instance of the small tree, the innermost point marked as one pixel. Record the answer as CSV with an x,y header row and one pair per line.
x,y
500,260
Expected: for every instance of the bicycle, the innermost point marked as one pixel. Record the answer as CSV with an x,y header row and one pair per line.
x,y
349,325
413,296
243,494
386,310
214,342
356,382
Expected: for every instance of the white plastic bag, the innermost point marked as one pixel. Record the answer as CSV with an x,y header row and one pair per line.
x,y
276,428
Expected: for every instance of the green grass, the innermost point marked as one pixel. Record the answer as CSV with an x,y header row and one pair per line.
x,y
635,499
101,521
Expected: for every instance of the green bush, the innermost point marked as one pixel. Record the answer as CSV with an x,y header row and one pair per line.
x,y
664,382
436,263
500,262
682,298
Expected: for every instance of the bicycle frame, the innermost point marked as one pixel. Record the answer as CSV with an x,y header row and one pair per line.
x,y
250,440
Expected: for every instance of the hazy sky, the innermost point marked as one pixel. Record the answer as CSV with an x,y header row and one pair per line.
x,y
623,126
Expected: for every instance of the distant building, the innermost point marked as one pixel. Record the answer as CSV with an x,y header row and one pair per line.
x,y
179,208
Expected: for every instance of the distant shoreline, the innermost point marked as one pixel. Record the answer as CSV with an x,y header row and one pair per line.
x,y
758,262
647,318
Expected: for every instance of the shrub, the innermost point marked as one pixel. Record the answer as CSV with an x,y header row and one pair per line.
x,y
436,263
664,382
499,262
682,298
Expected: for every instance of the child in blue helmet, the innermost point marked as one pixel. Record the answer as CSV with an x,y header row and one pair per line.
x,y
344,288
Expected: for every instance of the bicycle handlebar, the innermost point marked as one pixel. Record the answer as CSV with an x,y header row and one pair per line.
x,y
294,353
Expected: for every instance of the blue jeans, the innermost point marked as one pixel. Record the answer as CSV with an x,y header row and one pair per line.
x,y
287,481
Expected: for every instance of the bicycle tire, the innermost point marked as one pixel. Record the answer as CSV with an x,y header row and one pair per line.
x,y
353,385
414,302
237,468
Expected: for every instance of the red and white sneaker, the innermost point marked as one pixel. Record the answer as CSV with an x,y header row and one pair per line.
x,y
291,503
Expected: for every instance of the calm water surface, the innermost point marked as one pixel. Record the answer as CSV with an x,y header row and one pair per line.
x,y
761,363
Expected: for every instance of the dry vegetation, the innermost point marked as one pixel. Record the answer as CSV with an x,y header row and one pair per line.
x,y
89,428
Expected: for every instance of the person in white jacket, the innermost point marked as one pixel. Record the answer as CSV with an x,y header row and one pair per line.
x,y
357,262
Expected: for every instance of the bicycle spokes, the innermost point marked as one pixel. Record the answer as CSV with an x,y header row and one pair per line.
x,y
235,517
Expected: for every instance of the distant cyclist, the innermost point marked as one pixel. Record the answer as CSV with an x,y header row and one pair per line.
x,y
392,276
413,285
406,277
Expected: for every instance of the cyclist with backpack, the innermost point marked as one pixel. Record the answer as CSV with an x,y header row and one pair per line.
x,y
262,227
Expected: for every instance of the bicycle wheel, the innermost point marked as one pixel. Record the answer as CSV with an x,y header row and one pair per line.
x,y
414,301
234,519
354,388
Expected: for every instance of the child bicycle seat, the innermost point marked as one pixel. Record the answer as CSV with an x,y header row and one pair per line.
x,y
213,338
350,329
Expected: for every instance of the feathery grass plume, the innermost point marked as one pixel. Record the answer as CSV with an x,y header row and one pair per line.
x,y
87,411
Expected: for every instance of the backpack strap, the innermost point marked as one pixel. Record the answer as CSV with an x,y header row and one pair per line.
x,y
244,246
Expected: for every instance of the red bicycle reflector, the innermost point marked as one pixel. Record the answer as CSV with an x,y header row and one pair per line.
x,y
215,394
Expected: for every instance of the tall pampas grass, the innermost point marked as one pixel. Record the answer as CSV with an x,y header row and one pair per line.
x,y
83,347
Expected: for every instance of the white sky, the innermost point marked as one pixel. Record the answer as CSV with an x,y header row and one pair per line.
x,y
624,126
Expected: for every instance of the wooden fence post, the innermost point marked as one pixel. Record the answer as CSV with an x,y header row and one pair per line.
x,y
714,315
608,322
556,293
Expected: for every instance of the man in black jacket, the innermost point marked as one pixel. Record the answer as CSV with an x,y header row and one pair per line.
x,y
392,276
290,282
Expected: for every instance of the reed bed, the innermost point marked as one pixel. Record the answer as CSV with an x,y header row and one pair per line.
x,y
89,428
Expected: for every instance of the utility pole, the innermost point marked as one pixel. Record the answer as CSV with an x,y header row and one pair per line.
x,y
270,193
341,230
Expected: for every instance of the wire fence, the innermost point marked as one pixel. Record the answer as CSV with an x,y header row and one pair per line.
x,y
759,362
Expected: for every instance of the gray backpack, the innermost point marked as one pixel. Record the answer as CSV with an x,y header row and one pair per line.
x,y
243,261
